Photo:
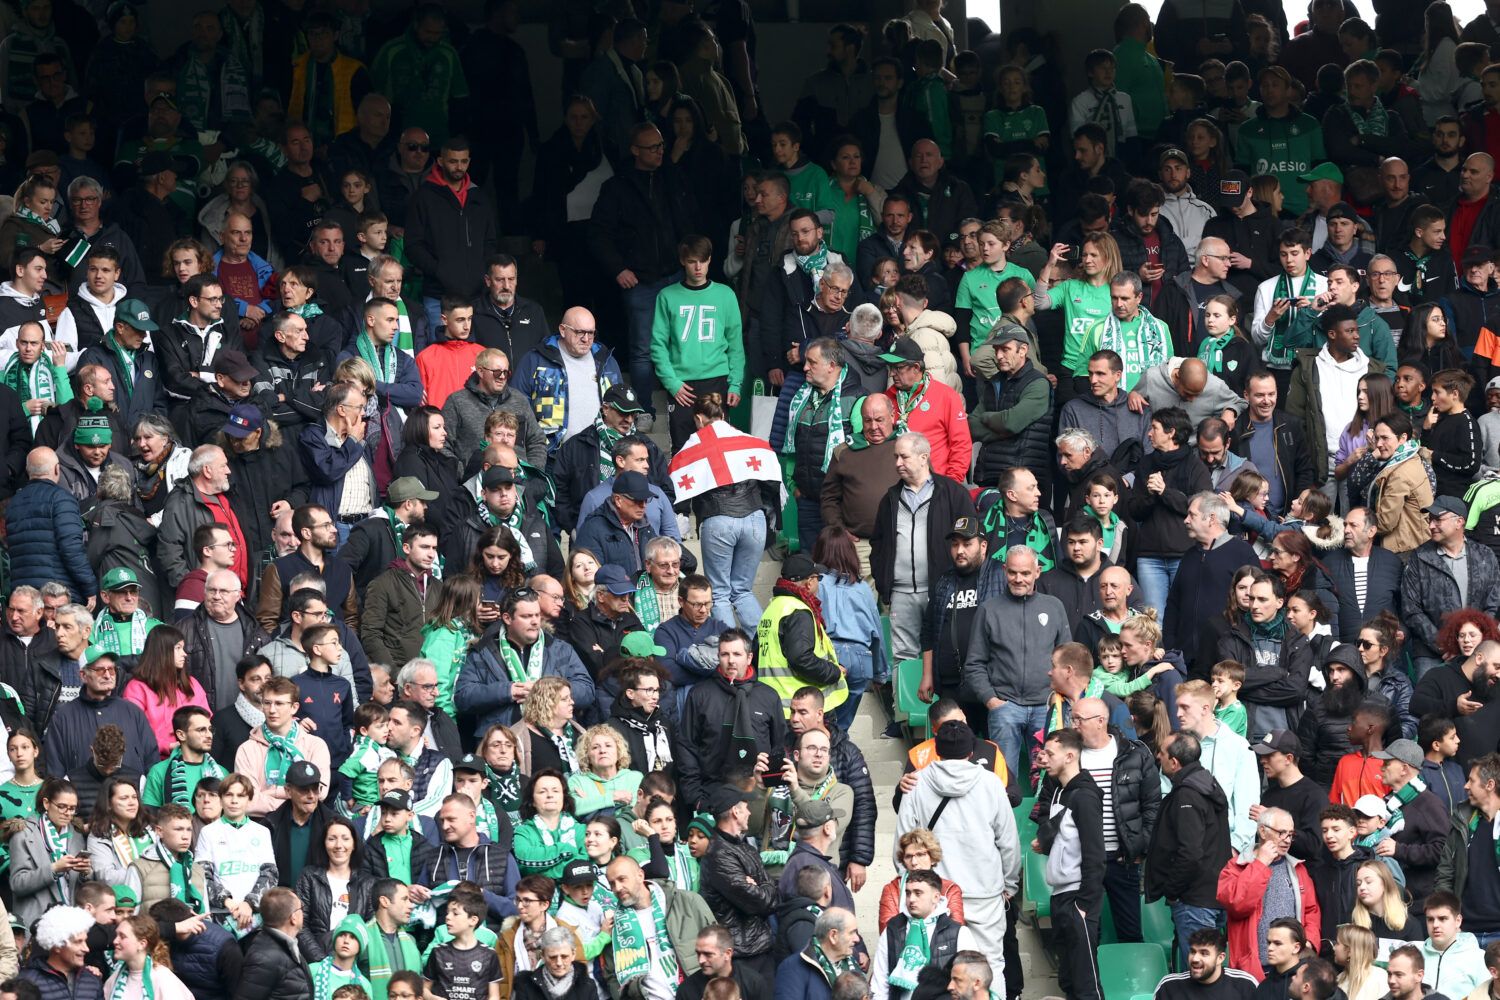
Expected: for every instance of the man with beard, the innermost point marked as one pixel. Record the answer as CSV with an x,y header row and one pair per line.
x,y
1454,690
502,319
1479,732
1324,728
1208,976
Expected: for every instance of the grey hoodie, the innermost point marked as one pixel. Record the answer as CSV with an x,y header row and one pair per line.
x,y
1110,424
1010,648
981,848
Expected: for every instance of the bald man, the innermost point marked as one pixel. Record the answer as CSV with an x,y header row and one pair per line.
x,y
368,145
1186,383
245,275
939,199
1474,218
1180,304
44,531
566,377
858,477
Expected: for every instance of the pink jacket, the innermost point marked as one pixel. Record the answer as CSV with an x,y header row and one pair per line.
x,y
250,761
159,712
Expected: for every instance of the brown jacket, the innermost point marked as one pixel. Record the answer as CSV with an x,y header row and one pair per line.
x,y
1400,494
856,480
268,604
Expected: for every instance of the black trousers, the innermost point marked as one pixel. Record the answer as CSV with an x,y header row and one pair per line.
x,y
1077,937
680,418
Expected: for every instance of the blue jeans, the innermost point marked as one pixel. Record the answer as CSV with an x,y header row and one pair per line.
x,y
640,309
434,310
1155,577
1188,919
1485,937
1424,664
856,659
732,547
1012,727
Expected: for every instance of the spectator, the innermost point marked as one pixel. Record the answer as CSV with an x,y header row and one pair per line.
x,y
449,230
1448,572
1401,490
566,399
930,408
1191,835
714,730
1247,894
1276,442
1164,481
1229,759
44,532
1203,580
1012,418
272,959
70,731
420,72
735,884
1418,824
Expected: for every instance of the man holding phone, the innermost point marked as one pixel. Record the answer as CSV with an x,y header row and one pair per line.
x,y
1278,300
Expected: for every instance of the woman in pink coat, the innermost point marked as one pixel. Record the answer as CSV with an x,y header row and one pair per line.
x,y
161,684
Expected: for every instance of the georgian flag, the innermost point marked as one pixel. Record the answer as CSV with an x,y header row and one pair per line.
x,y
721,455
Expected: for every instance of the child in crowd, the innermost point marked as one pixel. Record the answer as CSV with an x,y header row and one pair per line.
x,y
1102,495
339,969
1102,105
1358,772
580,908
463,967
1228,678
236,854
1185,104
808,181
1370,818
1438,738
1111,675
372,723
1016,123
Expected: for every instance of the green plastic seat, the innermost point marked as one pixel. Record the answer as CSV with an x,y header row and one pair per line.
x,y
1130,970
908,680
1157,928
1036,894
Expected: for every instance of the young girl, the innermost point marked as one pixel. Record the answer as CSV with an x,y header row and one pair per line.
x,y
601,841
18,795
1014,124
1353,464
1434,348
1309,615
1111,675
1205,149
238,854
1148,714
1249,491
144,971
883,276
450,631
1225,349
666,852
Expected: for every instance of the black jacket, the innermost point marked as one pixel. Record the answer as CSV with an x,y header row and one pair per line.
x,y
440,473
1191,841
1175,306
1333,883
574,469
147,393
706,740
522,329
316,937
459,542
911,126
1256,237
637,222
179,353
948,202
1382,590
31,668
1160,531
1174,257
1323,735
1079,596
292,380
1083,800
734,884
449,239
1282,686
200,650
1420,841
1436,692
259,478
1135,795
271,970
948,501
1293,457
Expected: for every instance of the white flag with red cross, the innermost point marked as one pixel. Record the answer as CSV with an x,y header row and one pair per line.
x,y
721,455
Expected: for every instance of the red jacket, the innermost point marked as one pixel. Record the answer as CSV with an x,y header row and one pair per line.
x,y
1242,891
940,417
445,366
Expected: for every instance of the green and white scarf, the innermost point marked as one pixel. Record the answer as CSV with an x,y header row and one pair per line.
x,y
1152,344
569,832
916,952
122,981
125,358
607,438
27,215
534,659
837,432
780,800
1398,800
180,880
683,868
307,310
505,791
34,383
1474,825
1376,121
831,969
632,949
378,959
177,784
1211,351
1276,355
907,401
814,264
564,741
1107,115
57,846
513,522
107,633
647,603
281,753
327,977
404,342
1403,451
385,371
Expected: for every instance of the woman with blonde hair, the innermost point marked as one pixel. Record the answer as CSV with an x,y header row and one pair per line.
x,y
605,781
1083,298
546,736
1140,645
1354,953
144,969
917,851
1381,906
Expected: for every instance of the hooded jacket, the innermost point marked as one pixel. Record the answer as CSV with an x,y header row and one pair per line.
x,y
1160,531
449,235
1121,433
1191,842
1273,693
1305,398
1011,648
933,331
719,718
541,377
1324,737
981,846
16,307
1375,338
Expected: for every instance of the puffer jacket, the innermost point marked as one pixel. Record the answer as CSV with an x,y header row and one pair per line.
x,y
209,963
1278,689
1002,446
1135,791
466,409
848,763
272,971
1394,686
1160,531
483,688
1429,592
933,332
316,937
258,479
1133,253
1191,842
1324,737
52,986
541,378
44,536
734,884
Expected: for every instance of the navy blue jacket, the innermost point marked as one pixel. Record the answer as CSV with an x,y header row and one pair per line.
x,y
44,534
405,391
1200,588
208,963
327,701
484,684
326,465
676,636
53,986
1382,590
603,534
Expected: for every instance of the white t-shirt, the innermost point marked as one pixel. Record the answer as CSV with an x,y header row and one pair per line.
x,y
656,985
340,908
583,392
890,158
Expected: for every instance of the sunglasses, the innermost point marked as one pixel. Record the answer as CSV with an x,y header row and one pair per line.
x,y
417,147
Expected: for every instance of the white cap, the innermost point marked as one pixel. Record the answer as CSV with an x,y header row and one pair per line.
x,y
1372,806
1493,384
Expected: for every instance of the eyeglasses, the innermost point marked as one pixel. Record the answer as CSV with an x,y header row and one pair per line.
x,y
416,147
527,901
1281,834
101,668
1383,274
425,687
655,147
581,332
63,807
835,291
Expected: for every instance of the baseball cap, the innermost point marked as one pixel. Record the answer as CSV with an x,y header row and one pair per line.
x,y
1323,172
724,798
1277,741
303,774
622,399
497,475
1406,751
965,527
397,799
904,351
1493,385
1372,806
119,578
1445,505
125,896
1232,188
579,873
815,813
633,485
1173,153
233,364
409,488
1007,334
94,654
640,644
469,762
615,580
800,566
133,313
244,419
155,162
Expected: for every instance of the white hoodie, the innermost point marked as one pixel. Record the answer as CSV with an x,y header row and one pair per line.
x,y
67,326
1338,385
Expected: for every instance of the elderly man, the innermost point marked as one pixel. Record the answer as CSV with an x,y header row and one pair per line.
x,y
939,198
1120,431
656,595
1081,460
618,531
1245,891
85,199
202,499
70,733
487,390
930,408
1187,383
1012,421
218,634
1182,299
565,395
1009,653
418,682
908,550
819,418
341,473
122,628
597,631
488,687
860,474
793,288
26,648
1199,590
1117,603
587,460
244,274
811,974
1473,217
1449,571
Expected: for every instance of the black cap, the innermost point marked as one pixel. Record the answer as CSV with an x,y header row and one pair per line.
x,y
469,762
965,527
233,364
1342,211
800,566
1447,505
954,741
904,352
622,398
1277,741
303,774
633,485
398,799
724,798
155,162
1232,187
579,873
495,476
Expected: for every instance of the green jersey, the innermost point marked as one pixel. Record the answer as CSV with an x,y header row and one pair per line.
x,y
1083,305
976,292
1013,128
1284,147
1135,346
696,335
809,184
853,219
1140,74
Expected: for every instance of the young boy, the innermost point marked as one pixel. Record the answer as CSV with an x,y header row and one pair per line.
x,y
469,779
125,902
1279,299
976,298
1410,390
1102,105
463,969
1427,272
1358,772
238,854
1450,433
696,341
808,181
372,723
1111,674
79,133
1238,107
1102,495
581,908
1228,677
1438,738
339,968
1371,815
1281,139
927,95
326,697
373,234
1336,877
1186,103
405,852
